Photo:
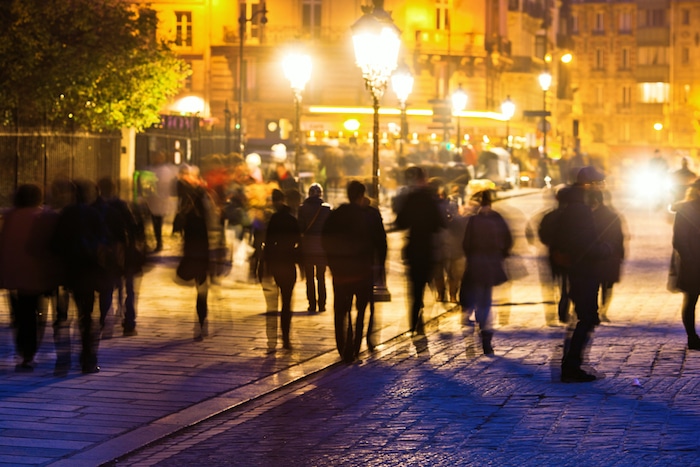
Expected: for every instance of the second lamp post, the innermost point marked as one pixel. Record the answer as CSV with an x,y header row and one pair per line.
x,y
459,103
297,69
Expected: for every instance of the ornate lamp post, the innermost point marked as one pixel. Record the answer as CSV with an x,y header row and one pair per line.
x,y
242,20
545,80
459,103
297,69
508,110
377,42
402,84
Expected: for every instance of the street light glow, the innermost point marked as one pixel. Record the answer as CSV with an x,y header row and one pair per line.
x,y
297,69
402,84
508,108
545,80
459,100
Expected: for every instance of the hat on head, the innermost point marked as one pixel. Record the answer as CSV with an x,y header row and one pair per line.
x,y
589,174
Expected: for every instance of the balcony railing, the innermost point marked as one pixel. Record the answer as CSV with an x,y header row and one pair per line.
x,y
442,42
652,73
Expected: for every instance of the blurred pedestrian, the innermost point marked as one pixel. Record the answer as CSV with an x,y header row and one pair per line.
x,y
682,179
79,240
455,261
686,243
312,217
160,196
199,222
487,242
281,252
579,250
354,240
283,177
439,280
543,227
28,269
610,227
419,214
128,244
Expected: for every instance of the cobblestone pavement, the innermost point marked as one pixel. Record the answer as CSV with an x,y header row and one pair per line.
x,y
439,401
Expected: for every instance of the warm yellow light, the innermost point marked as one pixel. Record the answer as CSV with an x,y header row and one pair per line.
x,y
658,126
297,69
545,80
548,58
352,124
567,58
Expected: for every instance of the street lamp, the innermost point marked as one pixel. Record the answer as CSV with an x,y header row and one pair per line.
x,y
297,69
377,42
545,80
402,84
459,103
508,110
242,20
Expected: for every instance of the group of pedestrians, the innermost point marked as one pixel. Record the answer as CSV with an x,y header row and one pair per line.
x,y
87,243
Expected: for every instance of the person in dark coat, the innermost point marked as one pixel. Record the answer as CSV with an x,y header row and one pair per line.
x,y
129,242
312,217
487,242
686,243
79,240
420,215
610,227
195,208
354,240
579,251
27,268
282,240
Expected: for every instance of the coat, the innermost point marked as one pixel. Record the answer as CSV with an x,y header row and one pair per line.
x,y
26,261
354,240
686,241
312,217
608,224
487,242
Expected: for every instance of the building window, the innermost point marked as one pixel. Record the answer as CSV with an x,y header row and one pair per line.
x,y
685,17
652,56
442,15
652,18
685,55
653,93
183,28
574,24
599,95
599,23
311,17
599,63
625,22
256,24
625,58
626,96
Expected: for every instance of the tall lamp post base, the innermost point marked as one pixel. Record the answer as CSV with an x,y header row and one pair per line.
x,y
380,291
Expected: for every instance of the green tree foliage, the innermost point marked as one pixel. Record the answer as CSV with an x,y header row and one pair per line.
x,y
84,64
